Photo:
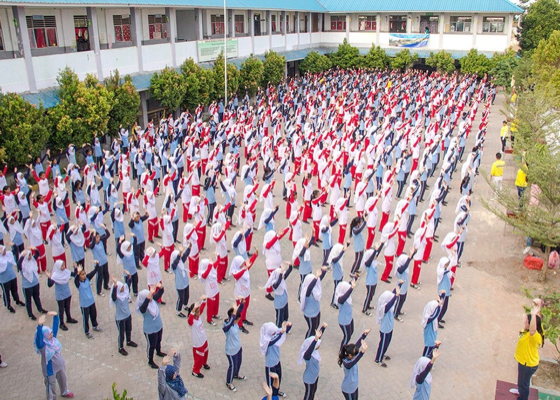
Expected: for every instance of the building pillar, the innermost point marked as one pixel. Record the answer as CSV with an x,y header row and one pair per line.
x,y
24,47
251,30
199,27
269,29
377,29
509,25
144,107
348,27
283,23
474,30
310,26
230,23
136,32
409,22
441,30
93,32
296,21
172,32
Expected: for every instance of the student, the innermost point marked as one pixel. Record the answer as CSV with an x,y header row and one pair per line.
x,y
356,231
98,249
87,302
170,383
125,251
310,300
27,266
343,298
277,281
370,264
521,183
348,359
272,338
497,172
146,305
178,259
444,285
239,269
325,229
77,241
120,297
199,340
8,279
301,257
504,135
335,259
309,352
402,274
59,278
527,350
208,274
386,321
422,377
234,351
52,362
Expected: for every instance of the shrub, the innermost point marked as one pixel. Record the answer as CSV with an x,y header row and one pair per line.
x,y
403,59
126,102
376,58
346,56
274,67
442,61
169,87
251,74
219,78
475,63
314,63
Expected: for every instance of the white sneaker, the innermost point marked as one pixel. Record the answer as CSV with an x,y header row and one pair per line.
x,y
514,391
3,364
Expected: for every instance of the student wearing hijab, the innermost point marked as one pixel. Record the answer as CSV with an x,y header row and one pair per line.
x,y
369,263
422,377
146,305
271,339
343,298
98,249
310,300
348,359
239,269
444,285
277,281
52,362
386,321
125,251
27,266
153,275
170,383
198,336
8,279
234,351
325,229
59,278
120,297
403,261
335,260
356,231
429,324
208,274
87,301
272,253
309,352
178,259
301,257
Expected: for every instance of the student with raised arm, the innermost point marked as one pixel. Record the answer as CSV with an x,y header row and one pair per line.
x,y
343,299
27,266
422,377
277,281
198,336
8,279
60,278
178,260
234,351
87,301
386,321
369,263
348,359
309,352
170,383
146,305
310,300
271,339
120,298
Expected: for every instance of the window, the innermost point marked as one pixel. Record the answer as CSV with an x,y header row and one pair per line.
x,y
397,23
367,22
493,24
42,31
1,40
273,22
81,32
460,24
157,26
239,24
314,22
287,23
429,23
303,23
217,22
122,28
338,22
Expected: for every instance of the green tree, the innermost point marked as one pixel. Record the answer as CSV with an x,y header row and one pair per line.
x,y
542,18
346,56
475,63
82,111
442,61
191,75
403,59
546,66
23,129
274,67
502,66
376,58
117,395
126,102
207,85
251,73
169,87
314,63
523,74
219,78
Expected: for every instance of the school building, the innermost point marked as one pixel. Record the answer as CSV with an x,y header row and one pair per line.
x,y
137,37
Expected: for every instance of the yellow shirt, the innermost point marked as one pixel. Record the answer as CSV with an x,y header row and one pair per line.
x,y
527,351
514,97
503,131
497,168
521,179
514,126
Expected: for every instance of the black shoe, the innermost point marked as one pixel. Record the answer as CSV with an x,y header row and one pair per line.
x,y
63,327
442,321
43,311
161,354
11,309
244,330
106,287
206,366
153,365
131,344
366,313
20,303
269,297
123,352
33,318
197,375
162,303
181,315
72,321
334,306
281,394
386,281
247,322
387,358
440,326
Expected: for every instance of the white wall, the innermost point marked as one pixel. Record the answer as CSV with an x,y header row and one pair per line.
x,y
48,67
491,42
333,38
16,80
291,41
457,41
156,56
261,44
244,46
125,60
278,41
362,39
184,50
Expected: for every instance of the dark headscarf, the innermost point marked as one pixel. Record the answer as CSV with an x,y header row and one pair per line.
x,y
177,383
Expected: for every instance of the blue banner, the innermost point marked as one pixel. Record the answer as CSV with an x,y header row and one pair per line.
x,y
408,40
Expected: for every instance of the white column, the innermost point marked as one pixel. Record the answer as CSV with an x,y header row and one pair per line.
x,y
136,31
474,30
24,46
199,27
252,29
441,30
378,29
269,29
348,27
309,26
93,31
409,22
172,32
231,23
296,21
509,26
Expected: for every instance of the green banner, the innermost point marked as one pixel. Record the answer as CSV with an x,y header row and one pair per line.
x,y
210,50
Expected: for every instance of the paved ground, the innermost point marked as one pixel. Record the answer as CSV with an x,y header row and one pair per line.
x,y
478,340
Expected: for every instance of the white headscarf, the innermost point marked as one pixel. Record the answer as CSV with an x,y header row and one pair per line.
x,y
324,224
153,308
419,367
383,300
305,345
124,249
29,266
268,331
429,309
273,278
5,259
265,214
316,293
441,268
59,276
341,290
300,244
401,260
122,296
118,215
77,236
154,274
367,255
180,264
335,252
14,227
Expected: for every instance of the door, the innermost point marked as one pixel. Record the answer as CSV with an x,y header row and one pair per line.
x,y
315,22
257,24
81,32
